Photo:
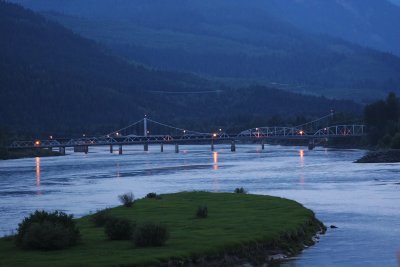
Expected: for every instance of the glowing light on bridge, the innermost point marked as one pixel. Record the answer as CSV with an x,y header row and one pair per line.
x,y
37,143
215,135
301,132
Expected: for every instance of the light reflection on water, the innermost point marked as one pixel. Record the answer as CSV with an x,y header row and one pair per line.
x,y
38,172
362,200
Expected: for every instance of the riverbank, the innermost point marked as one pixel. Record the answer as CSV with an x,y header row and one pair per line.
x,y
28,153
240,228
383,156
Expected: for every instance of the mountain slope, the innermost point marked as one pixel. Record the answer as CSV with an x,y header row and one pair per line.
x,y
372,23
54,80
233,40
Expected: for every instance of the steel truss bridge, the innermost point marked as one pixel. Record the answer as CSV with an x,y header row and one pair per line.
x,y
147,131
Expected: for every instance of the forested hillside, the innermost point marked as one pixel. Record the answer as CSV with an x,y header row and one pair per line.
x,y
54,80
245,40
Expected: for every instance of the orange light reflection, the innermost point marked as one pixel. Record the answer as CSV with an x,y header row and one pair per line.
x,y
215,158
37,171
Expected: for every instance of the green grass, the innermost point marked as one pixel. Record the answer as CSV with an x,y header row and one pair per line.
x,y
233,220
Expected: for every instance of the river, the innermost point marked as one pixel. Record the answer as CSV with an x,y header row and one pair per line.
x,y
363,201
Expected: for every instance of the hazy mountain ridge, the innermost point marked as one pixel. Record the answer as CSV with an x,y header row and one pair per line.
x,y
232,39
53,79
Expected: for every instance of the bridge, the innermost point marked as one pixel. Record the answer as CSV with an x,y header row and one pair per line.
x,y
147,131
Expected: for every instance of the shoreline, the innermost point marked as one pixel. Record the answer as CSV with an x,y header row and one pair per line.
x,y
259,254
381,156
29,153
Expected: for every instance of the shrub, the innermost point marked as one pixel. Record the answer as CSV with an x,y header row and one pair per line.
x,y
100,218
150,234
126,199
47,231
153,195
202,212
395,141
240,190
119,229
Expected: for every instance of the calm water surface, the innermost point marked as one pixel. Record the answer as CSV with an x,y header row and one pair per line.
x,y
362,200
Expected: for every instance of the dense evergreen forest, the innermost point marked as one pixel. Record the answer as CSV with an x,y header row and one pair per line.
x,y
248,40
383,122
53,80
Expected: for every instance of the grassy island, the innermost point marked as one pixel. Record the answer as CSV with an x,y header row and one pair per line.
x,y
238,228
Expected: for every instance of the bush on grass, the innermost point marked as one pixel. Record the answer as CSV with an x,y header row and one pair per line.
x,y
150,234
202,212
153,195
47,231
100,218
126,199
240,190
119,229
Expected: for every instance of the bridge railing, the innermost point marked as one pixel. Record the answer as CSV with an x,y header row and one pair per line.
x,y
342,130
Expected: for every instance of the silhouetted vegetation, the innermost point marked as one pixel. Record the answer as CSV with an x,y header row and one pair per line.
x,y
119,229
47,231
383,122
202,212
127,199
153,196
150,234
240,190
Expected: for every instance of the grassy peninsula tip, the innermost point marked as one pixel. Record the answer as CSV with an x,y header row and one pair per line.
x,y
238,228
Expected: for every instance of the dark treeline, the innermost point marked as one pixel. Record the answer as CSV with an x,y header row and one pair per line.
x,y
383,122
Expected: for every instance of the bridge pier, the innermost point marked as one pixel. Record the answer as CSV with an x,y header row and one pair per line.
x,y
120,150
176,148
233,146
262,145
146,147
111,149
86,149
212,145
162,147
311,144
61,150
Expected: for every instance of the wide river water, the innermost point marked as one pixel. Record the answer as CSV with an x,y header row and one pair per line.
x,y
363,200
